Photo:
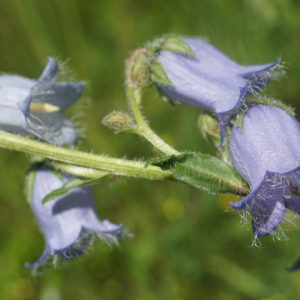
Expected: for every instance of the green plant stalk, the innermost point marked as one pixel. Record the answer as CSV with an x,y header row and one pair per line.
x,y
116,166
134,98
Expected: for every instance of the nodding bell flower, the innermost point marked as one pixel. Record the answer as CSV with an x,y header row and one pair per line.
x,y
266,154
69,221
36,107
211,79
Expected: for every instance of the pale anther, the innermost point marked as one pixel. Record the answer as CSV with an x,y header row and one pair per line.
x,y
294,190
43,108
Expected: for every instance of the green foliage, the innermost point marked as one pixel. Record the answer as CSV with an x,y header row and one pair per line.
x,y
158,73
174,44
210,129
169,42
204,172
204,254
74,183
139,72
29,181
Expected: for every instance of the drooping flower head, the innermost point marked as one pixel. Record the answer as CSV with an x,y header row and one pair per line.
x,y
266,154
68,221
211,79
36,107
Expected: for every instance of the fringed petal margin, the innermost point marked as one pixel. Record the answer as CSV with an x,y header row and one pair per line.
x,y
46,254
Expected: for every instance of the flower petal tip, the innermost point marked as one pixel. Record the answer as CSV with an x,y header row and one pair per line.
x,y
242,204
46,254
50,73
110,227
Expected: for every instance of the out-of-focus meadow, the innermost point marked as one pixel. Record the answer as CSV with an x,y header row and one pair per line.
x,y
185,245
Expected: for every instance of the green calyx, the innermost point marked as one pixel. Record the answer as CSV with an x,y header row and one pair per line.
x,y
276,103
165,43
239,119
169,42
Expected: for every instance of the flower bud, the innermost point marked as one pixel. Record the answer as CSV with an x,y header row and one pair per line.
x,y
120,122
140,75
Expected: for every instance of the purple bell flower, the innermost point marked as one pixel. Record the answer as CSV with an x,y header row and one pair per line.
x,y
212,80
36,107
69,221
266,154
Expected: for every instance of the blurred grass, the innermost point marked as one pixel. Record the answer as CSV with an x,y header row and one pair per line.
x,y
191,250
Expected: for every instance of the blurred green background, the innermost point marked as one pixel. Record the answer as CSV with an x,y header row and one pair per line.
x,y
185,246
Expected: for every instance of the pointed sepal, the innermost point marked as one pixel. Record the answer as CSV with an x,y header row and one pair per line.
x,y
169,42
175,44
158,73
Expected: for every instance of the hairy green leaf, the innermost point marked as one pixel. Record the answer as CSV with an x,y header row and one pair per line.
x,y
203,171
74,183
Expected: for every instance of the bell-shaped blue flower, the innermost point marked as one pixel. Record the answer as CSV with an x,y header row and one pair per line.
x,y
266,154
211,79
36,107
69,221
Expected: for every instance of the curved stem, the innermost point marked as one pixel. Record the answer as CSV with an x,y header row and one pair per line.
x,y
134,99
116,166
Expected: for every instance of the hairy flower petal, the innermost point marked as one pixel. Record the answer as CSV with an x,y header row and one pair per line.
x,y
266,154
18,93
68,221
212,80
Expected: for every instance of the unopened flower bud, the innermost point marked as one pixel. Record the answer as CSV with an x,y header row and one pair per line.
x,y
120,122
140,74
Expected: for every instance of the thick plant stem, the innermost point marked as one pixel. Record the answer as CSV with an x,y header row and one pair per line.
x,y
134,98
116,166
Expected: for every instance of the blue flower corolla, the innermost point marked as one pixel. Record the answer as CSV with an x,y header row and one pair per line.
x,y
266,154
36,106
212,80
69,221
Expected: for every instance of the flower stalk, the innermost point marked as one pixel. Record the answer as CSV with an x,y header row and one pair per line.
x,y
134,95
120,167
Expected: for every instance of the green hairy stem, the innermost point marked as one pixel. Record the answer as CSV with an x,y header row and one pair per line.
x,y
116,166
134,98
